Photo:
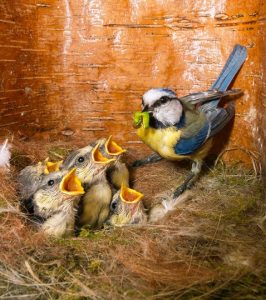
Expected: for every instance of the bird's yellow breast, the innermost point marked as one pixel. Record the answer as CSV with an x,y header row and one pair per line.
x,y
161,140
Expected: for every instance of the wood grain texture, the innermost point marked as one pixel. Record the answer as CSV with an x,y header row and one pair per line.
x,y
83,65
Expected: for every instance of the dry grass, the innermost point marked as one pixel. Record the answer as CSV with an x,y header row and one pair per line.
x,y
211,247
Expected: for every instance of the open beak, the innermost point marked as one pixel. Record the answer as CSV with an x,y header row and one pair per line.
x,y
71,185
98,157
52,166
129,195
112,148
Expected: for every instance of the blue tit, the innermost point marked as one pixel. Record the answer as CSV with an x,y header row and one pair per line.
x,y
53,205
91,165
29,178
117,173
183,128
126,208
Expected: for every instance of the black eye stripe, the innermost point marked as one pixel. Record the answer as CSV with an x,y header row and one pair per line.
x,y
161,101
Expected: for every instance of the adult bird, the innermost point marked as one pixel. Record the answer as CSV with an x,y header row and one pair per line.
x,y
183,128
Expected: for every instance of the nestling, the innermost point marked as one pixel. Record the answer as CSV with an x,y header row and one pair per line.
x,y
54,203
183,128
91,167
117,173
30,177
126,208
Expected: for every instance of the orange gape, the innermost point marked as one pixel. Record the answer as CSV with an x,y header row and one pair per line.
x,y
98,157
112,148
70,184
129,196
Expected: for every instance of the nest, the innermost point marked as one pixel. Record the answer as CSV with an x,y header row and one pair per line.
x,y
211,246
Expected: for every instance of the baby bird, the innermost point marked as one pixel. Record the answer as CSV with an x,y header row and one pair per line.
x,y
117,173
91,167
126,208
54,203
30,177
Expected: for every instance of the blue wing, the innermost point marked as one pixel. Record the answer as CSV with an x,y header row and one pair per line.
x,y
187,146
219,117
210,95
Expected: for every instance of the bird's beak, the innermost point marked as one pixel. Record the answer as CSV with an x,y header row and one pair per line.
x,y
71,185
52,166
98,157
141,119
112,148
129,195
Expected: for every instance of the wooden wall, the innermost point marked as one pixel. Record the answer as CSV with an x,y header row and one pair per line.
x,y
80,67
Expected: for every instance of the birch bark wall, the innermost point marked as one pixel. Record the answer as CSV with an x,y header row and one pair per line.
x,y
82,66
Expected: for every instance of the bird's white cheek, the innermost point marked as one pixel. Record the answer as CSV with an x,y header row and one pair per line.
x,y
168,114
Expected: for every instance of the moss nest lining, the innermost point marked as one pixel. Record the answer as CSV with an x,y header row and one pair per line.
x,y
211,246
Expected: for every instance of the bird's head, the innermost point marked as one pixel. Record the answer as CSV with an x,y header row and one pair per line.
x,y
163,105
126,208
89,162
30,177
57,191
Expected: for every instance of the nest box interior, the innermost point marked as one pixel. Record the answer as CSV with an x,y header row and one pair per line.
x,y
73,71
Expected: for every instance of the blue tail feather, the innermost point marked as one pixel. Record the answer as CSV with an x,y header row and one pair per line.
x,y
227,67
232,66
228,73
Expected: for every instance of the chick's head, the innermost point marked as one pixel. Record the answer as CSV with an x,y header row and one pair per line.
x,y
89,162
57,191
30,177
126,208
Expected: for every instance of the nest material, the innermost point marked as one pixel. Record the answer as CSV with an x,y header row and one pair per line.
x,y
211,245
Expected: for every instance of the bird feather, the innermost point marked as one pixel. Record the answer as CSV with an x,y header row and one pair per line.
x,y
5,155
